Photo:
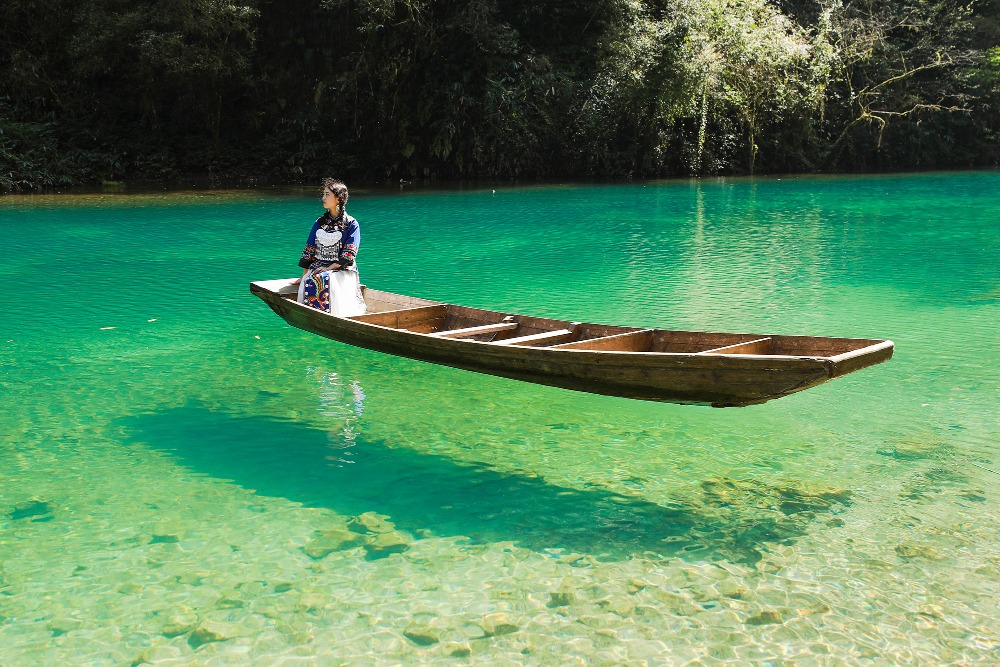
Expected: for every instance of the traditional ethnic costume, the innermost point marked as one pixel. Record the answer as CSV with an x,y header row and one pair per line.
x,y
332,241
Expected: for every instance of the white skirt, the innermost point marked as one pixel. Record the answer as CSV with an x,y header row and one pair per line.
x,y
345,293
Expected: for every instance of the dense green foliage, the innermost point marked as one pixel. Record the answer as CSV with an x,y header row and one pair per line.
x,y
97,90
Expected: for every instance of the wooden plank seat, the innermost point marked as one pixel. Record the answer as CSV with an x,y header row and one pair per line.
x,y
536,338
630,341
404,318
759,346
475,331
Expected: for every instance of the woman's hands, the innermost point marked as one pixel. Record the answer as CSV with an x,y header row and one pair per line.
x,y
329,267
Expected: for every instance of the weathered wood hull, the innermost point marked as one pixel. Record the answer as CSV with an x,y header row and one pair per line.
x,y
588,358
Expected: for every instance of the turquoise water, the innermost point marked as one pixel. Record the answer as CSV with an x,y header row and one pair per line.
x,y
184,479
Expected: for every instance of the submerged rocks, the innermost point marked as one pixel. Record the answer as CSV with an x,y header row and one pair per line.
x,y
372,531
457,649
191,578
617,604
326,542
370,522
63,624
633,586
561,598
206,634
156,653
179,624
34,509
766,617
733,591
422,635
495,625
805,496
751,513
381,545
789,498
911,449
381,538
908,551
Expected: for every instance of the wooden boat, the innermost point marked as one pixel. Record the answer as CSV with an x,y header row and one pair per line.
x,y
718,369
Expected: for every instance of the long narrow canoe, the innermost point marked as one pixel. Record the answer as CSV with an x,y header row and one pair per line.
x,y
718,369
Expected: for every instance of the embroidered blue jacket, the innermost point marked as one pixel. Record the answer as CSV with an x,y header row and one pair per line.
x,y
332,240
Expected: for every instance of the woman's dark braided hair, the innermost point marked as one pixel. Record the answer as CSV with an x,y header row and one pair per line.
x,y
338,188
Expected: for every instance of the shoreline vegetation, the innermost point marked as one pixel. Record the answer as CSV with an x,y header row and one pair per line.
x,y
390,92
202,188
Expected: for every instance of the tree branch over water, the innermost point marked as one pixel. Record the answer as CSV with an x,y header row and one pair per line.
x,y
867,97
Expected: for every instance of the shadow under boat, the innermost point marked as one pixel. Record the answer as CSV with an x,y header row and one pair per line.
x,y
429,495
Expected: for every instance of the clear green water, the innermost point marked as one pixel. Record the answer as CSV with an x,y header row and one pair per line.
x,y
180,488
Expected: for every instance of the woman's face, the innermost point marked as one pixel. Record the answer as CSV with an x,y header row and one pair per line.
x,y
330,201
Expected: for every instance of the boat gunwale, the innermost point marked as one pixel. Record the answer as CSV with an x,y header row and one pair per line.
x,y
851,354
497,347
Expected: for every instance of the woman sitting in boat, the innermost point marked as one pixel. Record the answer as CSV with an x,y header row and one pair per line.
x,y
329,279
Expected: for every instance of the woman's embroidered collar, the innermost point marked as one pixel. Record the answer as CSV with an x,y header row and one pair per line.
x,y
330,223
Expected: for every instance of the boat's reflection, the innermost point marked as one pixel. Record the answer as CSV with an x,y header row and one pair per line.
x,y
342,403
